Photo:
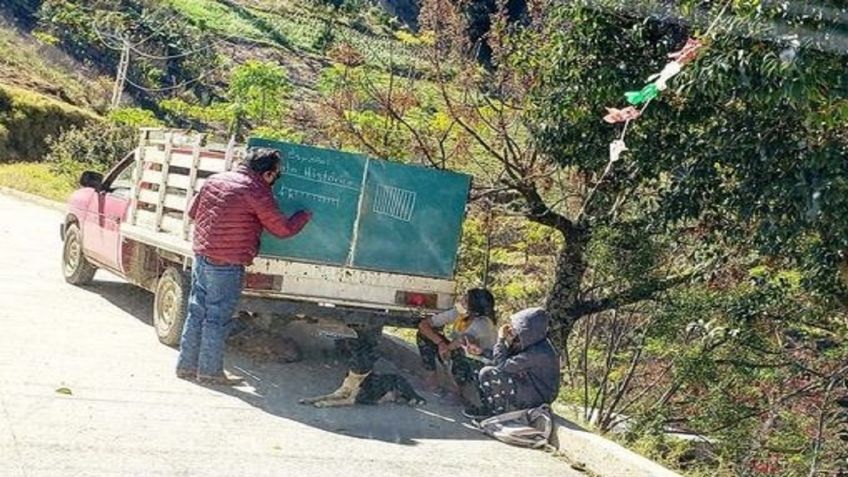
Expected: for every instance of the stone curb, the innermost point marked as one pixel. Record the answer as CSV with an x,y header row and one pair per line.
x,y
35,199
598,455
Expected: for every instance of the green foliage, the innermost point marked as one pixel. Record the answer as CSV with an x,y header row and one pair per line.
x,y
211,15
736,140
302,27
27,119
46,38
134,117
258,98
89,148
30,65
221,114
258,91
623,252
325,38
662,242
347,6
380,123
745,364
178,53
408,38
36,178
278,134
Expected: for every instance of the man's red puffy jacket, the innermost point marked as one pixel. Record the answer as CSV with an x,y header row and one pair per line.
x,y
230,212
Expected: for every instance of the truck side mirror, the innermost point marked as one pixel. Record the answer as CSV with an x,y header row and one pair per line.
x,y
91,179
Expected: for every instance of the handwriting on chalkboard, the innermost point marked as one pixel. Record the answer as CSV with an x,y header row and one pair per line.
x,y
292,156
395,202
325,177
289,193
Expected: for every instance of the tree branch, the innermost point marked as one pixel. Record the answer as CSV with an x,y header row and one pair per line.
x,y
642,291
540,212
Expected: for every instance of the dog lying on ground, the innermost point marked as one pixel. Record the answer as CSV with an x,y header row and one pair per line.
x,y
369,388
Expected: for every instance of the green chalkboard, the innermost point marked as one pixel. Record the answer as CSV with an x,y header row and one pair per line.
x,y
327,183
411,219
368,213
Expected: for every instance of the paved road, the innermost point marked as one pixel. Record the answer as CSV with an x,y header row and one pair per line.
x,y
128,415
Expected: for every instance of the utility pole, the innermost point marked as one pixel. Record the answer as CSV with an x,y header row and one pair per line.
x,y
121,76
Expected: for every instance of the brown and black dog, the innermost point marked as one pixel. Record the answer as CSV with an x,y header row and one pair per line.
x,y
362,385
369,388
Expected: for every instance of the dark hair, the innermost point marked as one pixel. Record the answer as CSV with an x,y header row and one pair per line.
x,y
262,160
481,303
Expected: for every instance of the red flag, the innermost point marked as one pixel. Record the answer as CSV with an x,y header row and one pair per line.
x,y
688,52
621,115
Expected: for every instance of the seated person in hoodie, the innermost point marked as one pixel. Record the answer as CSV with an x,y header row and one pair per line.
x,y
468,347
525,370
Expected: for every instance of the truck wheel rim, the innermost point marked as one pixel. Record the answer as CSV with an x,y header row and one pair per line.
x,y
167,306
72,254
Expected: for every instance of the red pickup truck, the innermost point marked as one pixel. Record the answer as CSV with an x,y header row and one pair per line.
x,y
132,222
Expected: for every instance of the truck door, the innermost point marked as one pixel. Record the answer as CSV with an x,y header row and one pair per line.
x,y
107,211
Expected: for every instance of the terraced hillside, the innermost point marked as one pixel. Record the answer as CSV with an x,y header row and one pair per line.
x,y
183,53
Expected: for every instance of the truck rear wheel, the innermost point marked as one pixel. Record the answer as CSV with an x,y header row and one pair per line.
x,y
170,305
75,268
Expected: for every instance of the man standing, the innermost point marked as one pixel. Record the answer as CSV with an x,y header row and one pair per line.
x,y
229,214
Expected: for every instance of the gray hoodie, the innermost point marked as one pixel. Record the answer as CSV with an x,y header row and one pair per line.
x,y
533,362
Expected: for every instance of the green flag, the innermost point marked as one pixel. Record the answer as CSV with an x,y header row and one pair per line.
x,y
640,97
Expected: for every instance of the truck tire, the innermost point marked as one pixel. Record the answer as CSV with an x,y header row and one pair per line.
x,y
170,305
75,268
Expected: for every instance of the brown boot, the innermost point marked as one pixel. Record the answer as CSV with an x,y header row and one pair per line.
x,y
190,374
226,379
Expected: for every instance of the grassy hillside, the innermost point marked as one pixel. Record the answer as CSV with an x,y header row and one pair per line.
x,y
28,117
30,63
35,179
62,56
302,32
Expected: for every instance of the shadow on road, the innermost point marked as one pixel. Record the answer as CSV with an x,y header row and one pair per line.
x,y
129,298
276,388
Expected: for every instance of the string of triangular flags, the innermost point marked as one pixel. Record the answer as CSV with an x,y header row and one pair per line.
x,y
656,84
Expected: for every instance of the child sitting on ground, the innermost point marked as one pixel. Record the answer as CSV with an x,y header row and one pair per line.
x,y
525,369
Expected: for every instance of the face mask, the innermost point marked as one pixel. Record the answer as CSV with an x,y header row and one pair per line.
x,y
460,308
273,181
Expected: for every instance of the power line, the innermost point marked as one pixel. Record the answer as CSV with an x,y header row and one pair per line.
x,y
144,54
178,86
157,31
107,44
126,48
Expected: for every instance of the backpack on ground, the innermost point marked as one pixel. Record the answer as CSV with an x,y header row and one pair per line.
x,y
525,428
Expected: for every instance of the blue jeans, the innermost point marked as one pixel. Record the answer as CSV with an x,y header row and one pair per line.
x,y
215,291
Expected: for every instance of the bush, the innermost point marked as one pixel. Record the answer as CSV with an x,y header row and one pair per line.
x,y
134,117
277,134
28,118
325,38
96,147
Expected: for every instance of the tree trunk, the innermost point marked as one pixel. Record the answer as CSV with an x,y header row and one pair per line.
x,y
571,266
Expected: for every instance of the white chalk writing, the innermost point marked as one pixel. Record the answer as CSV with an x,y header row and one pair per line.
x,y
293,156
395,202
289,193
312,174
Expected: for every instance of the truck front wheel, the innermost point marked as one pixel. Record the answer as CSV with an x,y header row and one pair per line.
x,y
75,268
170,305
